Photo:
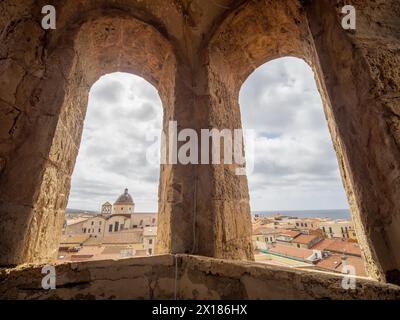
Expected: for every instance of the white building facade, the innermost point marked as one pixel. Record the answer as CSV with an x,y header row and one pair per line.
x,y
120,216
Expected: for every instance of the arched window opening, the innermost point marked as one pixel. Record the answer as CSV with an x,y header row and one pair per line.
x,y
113,180
296,193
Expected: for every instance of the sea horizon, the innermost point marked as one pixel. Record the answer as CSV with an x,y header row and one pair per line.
x,y
325,213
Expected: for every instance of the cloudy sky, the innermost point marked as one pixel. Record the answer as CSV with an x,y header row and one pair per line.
x,y
122,109
295,165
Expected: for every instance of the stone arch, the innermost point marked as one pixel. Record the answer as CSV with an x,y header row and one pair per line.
x,y
256,33
288,74
249,36
203,209
53,116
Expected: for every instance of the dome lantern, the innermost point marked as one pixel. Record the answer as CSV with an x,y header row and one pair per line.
x,y
124,199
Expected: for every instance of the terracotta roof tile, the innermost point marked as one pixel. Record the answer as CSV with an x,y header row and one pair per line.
x,y
340,246
71,222
289,233
290,251
334,263
121,237
73,239
264,230
305,239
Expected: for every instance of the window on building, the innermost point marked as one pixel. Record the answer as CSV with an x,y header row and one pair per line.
x,y
116,226
150,241
110,228
99,230
84,230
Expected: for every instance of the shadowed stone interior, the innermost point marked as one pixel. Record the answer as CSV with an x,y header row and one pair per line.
x,y
197,55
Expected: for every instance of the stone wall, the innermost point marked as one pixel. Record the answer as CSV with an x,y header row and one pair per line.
x,y
197,56
353,70
46,78
360,88
184,277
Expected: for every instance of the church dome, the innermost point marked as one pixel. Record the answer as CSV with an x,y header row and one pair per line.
x,y
124,199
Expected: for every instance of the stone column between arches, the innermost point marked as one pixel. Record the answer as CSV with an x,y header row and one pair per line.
x,y
207,204
360,78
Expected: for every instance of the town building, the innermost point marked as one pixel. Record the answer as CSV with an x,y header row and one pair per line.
x,y
304,244
149,239
283,222
292,253
339,246
130,233
338,229
124,204
306,241
264,237
285,237
106,208
307,225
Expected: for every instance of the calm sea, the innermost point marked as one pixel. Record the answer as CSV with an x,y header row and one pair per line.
x,y
332,214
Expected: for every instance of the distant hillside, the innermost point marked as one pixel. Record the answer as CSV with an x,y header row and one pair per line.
x,y
79,211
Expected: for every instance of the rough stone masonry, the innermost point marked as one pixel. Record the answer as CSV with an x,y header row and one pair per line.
x,y
197,55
